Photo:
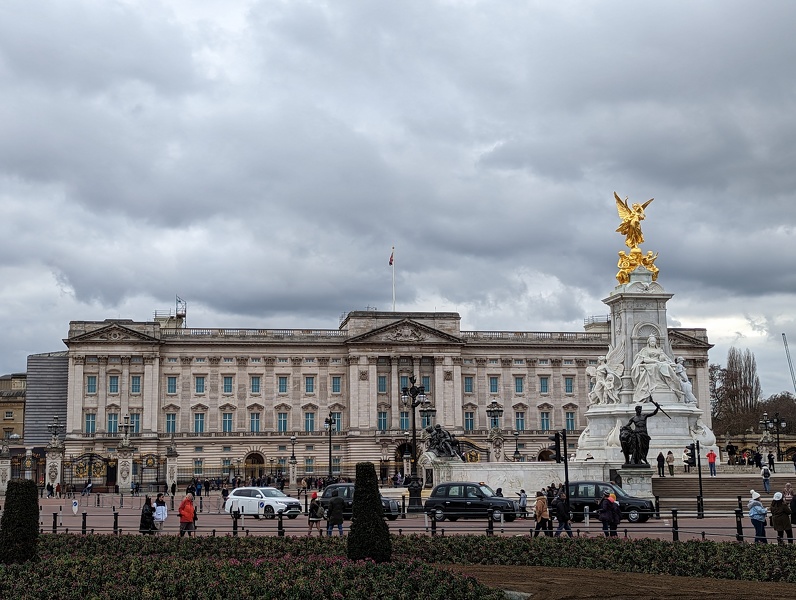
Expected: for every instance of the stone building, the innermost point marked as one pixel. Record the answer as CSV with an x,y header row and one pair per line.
x,y
220,401
12,406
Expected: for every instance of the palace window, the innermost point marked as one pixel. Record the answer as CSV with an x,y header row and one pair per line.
x,y
544,385
91,384
254,422
171,423
336,384
519,421
227,384
468,385
382,389
255,384
135,384
226,422
171,385
283,385
544,421
518,385
113,384
469,420
494,383
281,422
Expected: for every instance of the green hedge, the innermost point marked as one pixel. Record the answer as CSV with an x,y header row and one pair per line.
x,y
105,566
19,527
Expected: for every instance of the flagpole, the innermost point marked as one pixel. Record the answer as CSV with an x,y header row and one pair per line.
x,y
392,263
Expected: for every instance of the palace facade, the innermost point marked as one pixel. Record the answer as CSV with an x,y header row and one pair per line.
x,y
249,400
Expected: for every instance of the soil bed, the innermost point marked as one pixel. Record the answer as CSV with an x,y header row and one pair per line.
x,y
563,584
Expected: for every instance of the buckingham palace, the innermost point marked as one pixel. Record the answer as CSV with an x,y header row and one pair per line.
x,y
254,402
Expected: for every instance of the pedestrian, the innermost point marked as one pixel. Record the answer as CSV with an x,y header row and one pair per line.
x,y
780,518
315,515
198,488
187,515
661,464
523,505
757,514
147,524
334,514
712,462
173,488
670,463
58,490
771,462
499,492
161,512
562,512
790,499
686,466
765,472
541,513
224,494
609,514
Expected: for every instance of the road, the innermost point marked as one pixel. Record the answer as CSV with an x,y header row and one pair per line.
x,y
100,519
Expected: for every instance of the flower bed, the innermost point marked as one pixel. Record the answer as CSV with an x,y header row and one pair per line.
x,y
104,566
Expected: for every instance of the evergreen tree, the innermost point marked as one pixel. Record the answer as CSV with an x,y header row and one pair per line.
x,y
369,536
19,527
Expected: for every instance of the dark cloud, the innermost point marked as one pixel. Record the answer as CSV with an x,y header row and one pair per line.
x,y
260,161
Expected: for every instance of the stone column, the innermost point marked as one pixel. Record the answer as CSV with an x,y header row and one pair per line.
x,y
54,466
125,472
5,468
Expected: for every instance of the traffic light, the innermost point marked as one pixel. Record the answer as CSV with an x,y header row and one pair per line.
x,y
691,452
557,446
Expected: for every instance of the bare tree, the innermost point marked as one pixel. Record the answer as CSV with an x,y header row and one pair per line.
x,y
735,393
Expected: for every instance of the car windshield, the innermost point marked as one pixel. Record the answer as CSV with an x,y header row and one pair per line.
x,y
272,493
620,493
486,491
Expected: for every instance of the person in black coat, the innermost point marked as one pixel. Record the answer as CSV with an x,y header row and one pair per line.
x,y
562,512
147,525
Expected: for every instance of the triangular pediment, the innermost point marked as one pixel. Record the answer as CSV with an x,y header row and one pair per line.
x,y
113,333
403,332
171,407
679,339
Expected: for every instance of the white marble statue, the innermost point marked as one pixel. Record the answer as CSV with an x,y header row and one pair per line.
x,y
607,376
685,385
653,370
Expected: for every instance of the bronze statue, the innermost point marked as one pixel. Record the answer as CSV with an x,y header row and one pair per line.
x,y
634,438
442,443
631,216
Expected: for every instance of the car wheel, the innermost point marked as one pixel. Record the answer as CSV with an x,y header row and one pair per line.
x,y
633,515
453,519
496,513
392,517
438,514
292,516
269,512
643,518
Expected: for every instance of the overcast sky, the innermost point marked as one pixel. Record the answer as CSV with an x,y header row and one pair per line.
x,y
259,159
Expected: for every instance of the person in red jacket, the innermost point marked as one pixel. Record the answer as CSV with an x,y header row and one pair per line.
x,y
187,514
712,462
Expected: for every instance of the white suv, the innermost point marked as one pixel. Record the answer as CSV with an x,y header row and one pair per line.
x,y
262,501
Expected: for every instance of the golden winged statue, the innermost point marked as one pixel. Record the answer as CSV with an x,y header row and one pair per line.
x,y
631,216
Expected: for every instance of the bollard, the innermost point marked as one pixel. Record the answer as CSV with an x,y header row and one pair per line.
x,y
97,498
172,502
586,515
83,528
433,524
490,528
739,523
60,516
675,526
657,507
306,505
115,522
700,507
235,517
280,528
213,534
403,506
201,504
121,502
55,522
740,505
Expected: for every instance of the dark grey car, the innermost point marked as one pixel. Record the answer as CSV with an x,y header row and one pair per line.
x,y
346,492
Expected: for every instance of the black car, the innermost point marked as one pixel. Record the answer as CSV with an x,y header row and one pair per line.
x,y
466,500
588,494
346,492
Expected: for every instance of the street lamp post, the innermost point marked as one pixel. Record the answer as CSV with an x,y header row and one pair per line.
x,y
517,446
777,425
293,460
55,429
329,423
494,411
414,396
271,461
237,469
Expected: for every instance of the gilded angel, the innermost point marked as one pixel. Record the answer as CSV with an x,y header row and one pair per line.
x,y
631,216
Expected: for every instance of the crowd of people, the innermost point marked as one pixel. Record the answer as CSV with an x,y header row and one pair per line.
x,y
780,515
